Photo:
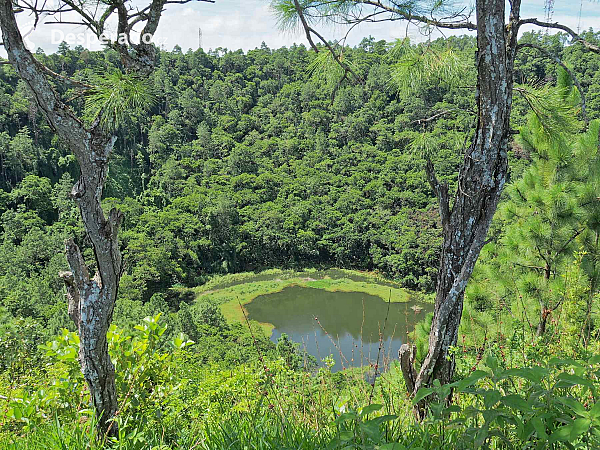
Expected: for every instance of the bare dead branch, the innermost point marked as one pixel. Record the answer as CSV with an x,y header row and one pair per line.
x,y
435,116
63,22
591,47
465,24
406,355
137,56
183,2
441,192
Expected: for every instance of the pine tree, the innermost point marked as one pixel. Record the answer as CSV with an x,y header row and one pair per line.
x,y
550,212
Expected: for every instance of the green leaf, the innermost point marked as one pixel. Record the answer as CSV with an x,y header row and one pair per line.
x,y
346,435
470,380
595,410
490,415
349,416
452,409
382,419
515,402
490,398
369,409
492,362
574,405
533,375
564,362
421,394
579,426
481,435
371,429
561,434
540,427
568,380
499,434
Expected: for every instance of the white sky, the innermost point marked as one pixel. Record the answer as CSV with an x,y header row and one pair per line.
x,y
247,24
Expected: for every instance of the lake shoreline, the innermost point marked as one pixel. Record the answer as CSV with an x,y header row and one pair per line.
x,y
234,291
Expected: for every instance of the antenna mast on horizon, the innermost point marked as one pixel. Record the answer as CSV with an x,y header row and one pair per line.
x,y
549,10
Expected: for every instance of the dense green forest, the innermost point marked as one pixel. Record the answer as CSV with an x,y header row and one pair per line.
x,y
255,161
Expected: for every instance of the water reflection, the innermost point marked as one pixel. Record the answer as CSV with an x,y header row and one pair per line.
x,y
343,324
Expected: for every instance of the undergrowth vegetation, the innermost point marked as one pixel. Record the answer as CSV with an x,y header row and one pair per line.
x,y
508,394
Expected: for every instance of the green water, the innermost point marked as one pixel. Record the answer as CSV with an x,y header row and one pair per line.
x,y
348,325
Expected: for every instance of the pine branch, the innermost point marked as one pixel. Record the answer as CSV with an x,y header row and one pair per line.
x,y
569,71
305,25
555,115
565,245
66,79
435,116
526,266
336,57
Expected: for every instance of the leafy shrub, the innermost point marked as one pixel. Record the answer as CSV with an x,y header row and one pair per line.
x,y
535,407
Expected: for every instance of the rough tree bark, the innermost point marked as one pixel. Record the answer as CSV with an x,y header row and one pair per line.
x,y
91,298
481,179
465,221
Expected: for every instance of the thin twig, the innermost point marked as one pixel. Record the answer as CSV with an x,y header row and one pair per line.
x,y
342,357
262,361
435,116
381,334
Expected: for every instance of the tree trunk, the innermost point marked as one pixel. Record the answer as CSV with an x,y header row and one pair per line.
x,y
480,183
544,313
91,299
544,308
586,328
